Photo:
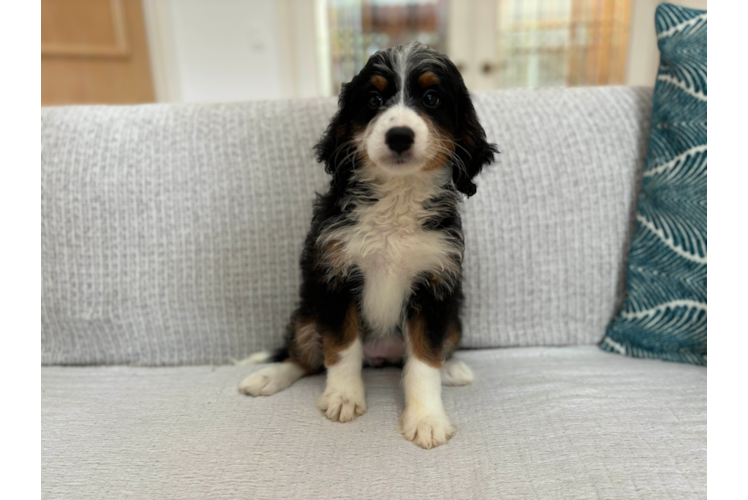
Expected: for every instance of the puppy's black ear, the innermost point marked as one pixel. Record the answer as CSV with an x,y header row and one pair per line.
x,y
472,148
335,148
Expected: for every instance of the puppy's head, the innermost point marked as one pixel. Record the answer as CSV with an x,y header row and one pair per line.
x,y
407,111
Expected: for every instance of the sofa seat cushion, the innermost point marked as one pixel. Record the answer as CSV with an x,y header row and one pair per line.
x,y
537,423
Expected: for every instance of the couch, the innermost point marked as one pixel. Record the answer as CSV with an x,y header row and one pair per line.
x,y
170,240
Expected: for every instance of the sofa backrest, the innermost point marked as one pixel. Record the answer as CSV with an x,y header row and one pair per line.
x,y
171,233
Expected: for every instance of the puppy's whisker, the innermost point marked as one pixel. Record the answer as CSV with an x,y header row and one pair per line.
x,y
340,147
456,144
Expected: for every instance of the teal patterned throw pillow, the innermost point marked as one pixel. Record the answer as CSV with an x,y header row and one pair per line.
x,y
664,312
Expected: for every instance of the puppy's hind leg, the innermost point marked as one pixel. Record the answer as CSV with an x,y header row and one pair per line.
x,y
456,373
272,379
303,356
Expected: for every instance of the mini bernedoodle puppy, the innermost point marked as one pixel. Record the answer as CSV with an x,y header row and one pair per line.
x,y
382,262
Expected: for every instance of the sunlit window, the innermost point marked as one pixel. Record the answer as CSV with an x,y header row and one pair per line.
x,y
536,43
360,28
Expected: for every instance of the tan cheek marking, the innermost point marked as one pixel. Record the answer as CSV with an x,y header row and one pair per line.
x,y
361,136
442,139
379,82
332,344
419,345
439,160
427,79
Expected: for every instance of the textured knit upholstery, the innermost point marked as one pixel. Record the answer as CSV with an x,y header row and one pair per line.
x,y
171,233
539,423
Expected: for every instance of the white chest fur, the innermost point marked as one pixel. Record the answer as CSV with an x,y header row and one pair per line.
x,y
391,248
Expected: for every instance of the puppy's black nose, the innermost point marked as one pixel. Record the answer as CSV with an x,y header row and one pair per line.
x,y
399,139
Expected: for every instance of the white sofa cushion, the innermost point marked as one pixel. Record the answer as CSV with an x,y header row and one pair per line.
x,y
537,423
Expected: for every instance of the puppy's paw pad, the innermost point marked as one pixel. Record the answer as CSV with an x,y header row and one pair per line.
x,y
455,373
427,431
342,407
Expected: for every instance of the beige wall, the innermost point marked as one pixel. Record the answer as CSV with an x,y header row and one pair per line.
x,y
644,56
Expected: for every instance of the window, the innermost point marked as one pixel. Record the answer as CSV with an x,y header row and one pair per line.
x,y
496,43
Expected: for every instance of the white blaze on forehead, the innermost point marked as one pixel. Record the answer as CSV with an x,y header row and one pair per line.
x,y
413,58
401,69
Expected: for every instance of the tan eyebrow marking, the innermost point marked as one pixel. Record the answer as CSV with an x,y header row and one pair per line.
x,y
427,79
379,82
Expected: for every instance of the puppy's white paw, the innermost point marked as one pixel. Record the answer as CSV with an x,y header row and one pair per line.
x,y
342,405
455,372
270,380
427,430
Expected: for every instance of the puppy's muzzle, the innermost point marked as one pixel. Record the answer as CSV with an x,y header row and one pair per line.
x,y
399,139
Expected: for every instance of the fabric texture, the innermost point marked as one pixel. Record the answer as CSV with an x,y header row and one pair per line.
x,y
171,233
664,313
538,423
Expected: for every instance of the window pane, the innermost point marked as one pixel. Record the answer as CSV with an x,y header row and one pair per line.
x,y
539,43
357,29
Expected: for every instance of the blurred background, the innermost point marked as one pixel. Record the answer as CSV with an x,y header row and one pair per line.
x,y
135,51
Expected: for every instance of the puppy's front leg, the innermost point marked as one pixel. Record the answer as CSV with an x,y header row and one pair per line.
x,y
343,399
424,421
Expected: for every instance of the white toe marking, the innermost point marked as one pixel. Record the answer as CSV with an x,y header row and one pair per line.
x,y
427,430
424,420
272,379
343,399
342,406
455,372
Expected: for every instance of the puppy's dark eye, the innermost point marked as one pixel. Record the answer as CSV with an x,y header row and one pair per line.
x,y
431,99
375,100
